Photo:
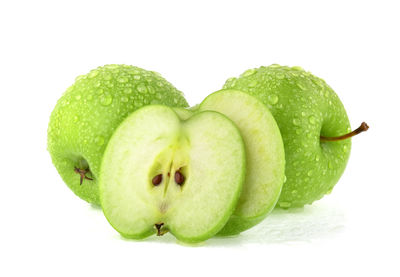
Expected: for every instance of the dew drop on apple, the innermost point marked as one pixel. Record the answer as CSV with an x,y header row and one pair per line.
x,y
107,76
99,140
106,100
296,121
136,77
249,72
78,97
76,118
124,99
280,75
100,91
285,205
142,88
93,74
310,173
128,90
311,119
273,99
122,79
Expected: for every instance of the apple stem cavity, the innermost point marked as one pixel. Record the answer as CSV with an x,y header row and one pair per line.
x,y
82,173
160,230
363,127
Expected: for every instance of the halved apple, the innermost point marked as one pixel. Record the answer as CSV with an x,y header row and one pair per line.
x,y
160,174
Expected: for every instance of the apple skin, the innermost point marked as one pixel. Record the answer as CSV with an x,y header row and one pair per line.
x,y
87,114
304,107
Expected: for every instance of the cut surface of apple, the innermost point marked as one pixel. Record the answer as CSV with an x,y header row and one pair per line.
x,y
160,174
264,153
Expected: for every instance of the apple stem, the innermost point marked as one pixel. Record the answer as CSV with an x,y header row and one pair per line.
x,y
363,127
82,173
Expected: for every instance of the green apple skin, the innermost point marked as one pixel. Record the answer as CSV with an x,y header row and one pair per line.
x,y
305,108
207,148
265,156
87,114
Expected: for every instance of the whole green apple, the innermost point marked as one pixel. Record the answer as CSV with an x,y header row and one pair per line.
x,y
90,110
310,117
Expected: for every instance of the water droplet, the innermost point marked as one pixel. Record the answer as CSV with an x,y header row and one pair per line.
x,y
273,99
296,121
303,114
127,90
298,131
100,91
252,84
248,72
285,205
297,174
298,68
284,179
316,158
136,77
329,191
78,97
301,86
97,84
311,119
93,73
309,173
230,83
294,191
345,149
99,140
80,77
141,88
76,118
330,165
107,76
106,100
122,79
280,75
89,97
124,99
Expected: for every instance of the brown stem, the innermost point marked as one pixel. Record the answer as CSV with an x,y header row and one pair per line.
x,y
363,127
160,230
82,173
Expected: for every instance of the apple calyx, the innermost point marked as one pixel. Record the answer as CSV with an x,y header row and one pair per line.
x,y
363,127
160,230
82,172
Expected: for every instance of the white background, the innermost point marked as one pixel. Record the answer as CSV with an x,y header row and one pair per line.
x,y
354,45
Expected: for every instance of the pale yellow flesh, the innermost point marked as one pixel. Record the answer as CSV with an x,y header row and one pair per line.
x,y
264,151
207,149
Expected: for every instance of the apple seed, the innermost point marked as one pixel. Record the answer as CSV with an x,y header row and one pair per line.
x,y
179,179
157,180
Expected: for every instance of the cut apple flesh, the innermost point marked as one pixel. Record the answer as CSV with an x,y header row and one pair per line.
x,y
264,153
162,174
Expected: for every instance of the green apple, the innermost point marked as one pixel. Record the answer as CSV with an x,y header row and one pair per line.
x,y
160,173
265,157
88,113
308,113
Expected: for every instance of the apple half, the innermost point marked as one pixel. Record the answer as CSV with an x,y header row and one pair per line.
x,y
264,153
160,173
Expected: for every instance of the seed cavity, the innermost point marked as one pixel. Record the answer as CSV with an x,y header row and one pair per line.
x,y
179,178
157,180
